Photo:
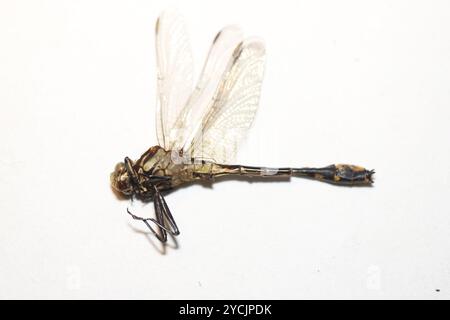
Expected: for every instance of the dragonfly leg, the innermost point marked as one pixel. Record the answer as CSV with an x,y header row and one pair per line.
x,y
163,213
160,218
152,220
167,214
145,221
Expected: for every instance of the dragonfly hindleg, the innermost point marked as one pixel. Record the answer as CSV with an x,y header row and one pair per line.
x,y
163,216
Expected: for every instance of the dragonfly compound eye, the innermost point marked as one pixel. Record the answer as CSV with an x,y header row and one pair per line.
x,y
120,181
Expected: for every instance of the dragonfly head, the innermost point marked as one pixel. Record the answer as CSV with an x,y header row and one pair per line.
x,y
121,178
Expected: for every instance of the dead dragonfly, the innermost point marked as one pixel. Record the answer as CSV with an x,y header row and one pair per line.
x,y
199,128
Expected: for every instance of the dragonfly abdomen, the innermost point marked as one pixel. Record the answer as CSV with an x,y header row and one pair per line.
x,y
341,174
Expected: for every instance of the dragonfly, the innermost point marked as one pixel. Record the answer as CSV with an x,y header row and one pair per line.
x,y
199,126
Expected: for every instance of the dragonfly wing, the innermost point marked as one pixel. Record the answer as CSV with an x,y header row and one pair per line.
x,y
175,72
233,108
216,64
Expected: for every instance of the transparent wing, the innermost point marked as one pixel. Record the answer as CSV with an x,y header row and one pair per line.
x,y
233,108
175,72
216,64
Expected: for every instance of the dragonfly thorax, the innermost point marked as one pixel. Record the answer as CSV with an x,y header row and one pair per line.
x,y
141,177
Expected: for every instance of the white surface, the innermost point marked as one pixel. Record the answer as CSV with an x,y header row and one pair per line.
x,y
365,82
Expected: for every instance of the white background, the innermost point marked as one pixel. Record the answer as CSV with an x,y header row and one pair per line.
x,y
363,82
